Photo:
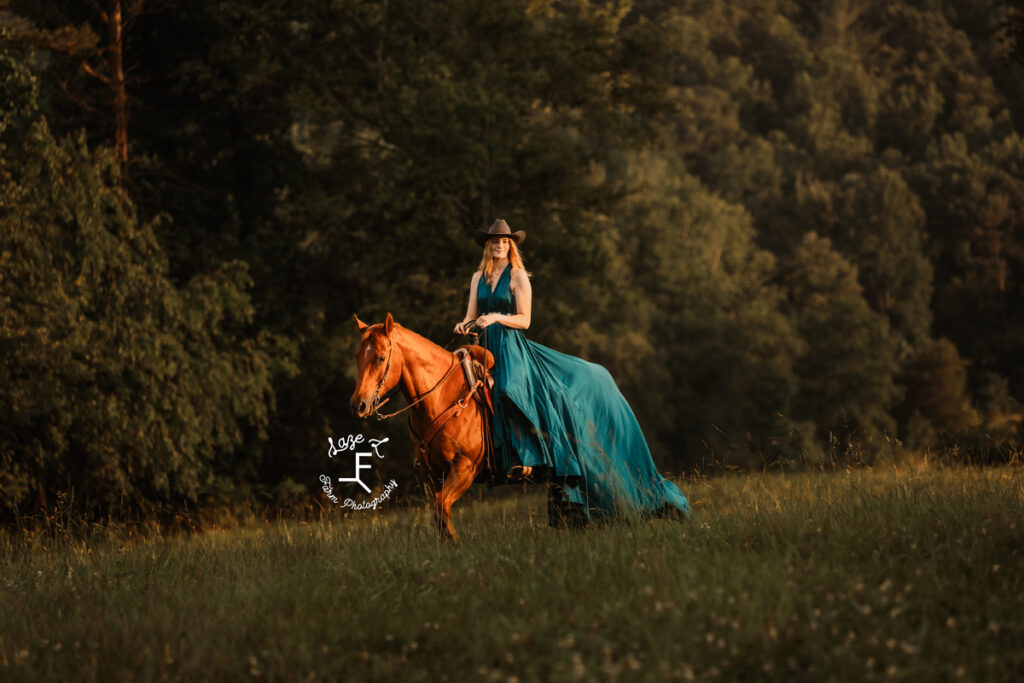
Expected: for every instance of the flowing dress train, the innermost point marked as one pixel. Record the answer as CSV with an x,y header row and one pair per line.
x,y
567,416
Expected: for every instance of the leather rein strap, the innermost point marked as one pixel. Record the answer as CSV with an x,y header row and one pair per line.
x,y
451,369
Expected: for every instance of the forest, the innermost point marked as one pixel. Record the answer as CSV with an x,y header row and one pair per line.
x,y
793,231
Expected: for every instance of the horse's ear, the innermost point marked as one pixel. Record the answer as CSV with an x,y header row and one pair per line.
x,y
359,323
389,323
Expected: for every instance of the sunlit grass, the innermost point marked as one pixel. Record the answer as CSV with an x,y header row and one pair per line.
x,y
840,576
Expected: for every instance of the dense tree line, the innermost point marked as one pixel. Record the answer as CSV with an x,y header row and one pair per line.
x,y
781,225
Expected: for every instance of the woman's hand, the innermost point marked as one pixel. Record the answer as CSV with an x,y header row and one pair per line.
x,y
488,319
460,328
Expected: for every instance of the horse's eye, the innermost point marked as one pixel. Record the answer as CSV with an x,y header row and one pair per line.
x,y
380,359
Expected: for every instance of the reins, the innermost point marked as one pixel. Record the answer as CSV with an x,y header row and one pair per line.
x,y
380,417
377,403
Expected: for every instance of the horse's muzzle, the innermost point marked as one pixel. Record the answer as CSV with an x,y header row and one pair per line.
x,y
359,407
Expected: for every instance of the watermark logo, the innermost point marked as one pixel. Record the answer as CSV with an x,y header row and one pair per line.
x,y
348,445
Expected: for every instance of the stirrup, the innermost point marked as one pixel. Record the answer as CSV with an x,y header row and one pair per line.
x,y
520,473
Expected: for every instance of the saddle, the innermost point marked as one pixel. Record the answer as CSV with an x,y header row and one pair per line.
x,y
476,364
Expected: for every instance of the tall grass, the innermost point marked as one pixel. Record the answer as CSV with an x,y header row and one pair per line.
x,y
869,574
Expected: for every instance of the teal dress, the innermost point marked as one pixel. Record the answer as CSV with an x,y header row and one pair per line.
x,y
566,416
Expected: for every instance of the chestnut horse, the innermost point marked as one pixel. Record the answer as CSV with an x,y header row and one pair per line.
x,y
446,424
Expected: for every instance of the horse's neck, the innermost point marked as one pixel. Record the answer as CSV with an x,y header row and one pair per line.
x,y
424,362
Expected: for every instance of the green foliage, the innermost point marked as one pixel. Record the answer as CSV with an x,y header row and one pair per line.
x,y
875,220
847,373
719,373
762,217
115,381
936,380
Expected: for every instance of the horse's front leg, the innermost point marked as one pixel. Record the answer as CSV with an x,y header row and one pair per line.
x,y
461,473
435,483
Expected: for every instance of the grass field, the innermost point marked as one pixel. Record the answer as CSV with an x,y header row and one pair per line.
x,y
869,574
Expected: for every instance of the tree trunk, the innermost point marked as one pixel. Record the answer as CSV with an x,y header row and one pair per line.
x,y
115,25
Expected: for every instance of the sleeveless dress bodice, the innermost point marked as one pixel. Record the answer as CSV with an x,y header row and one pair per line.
x,y
567,416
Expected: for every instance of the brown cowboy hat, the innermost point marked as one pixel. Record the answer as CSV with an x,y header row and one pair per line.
x,y
500,229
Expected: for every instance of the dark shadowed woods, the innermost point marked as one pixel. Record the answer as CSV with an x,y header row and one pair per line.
x,y
793,231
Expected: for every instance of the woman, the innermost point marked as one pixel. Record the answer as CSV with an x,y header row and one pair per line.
x,y
557,417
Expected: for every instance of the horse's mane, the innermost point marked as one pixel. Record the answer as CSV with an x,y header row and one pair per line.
x,y
478,352
379,328
419,336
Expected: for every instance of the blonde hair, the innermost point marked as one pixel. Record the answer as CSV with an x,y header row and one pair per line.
x,y
514,257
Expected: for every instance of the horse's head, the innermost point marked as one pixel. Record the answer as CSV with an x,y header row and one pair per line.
x,y
379,366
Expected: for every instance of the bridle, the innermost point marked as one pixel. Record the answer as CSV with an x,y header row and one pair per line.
x,y
378,403
383,378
